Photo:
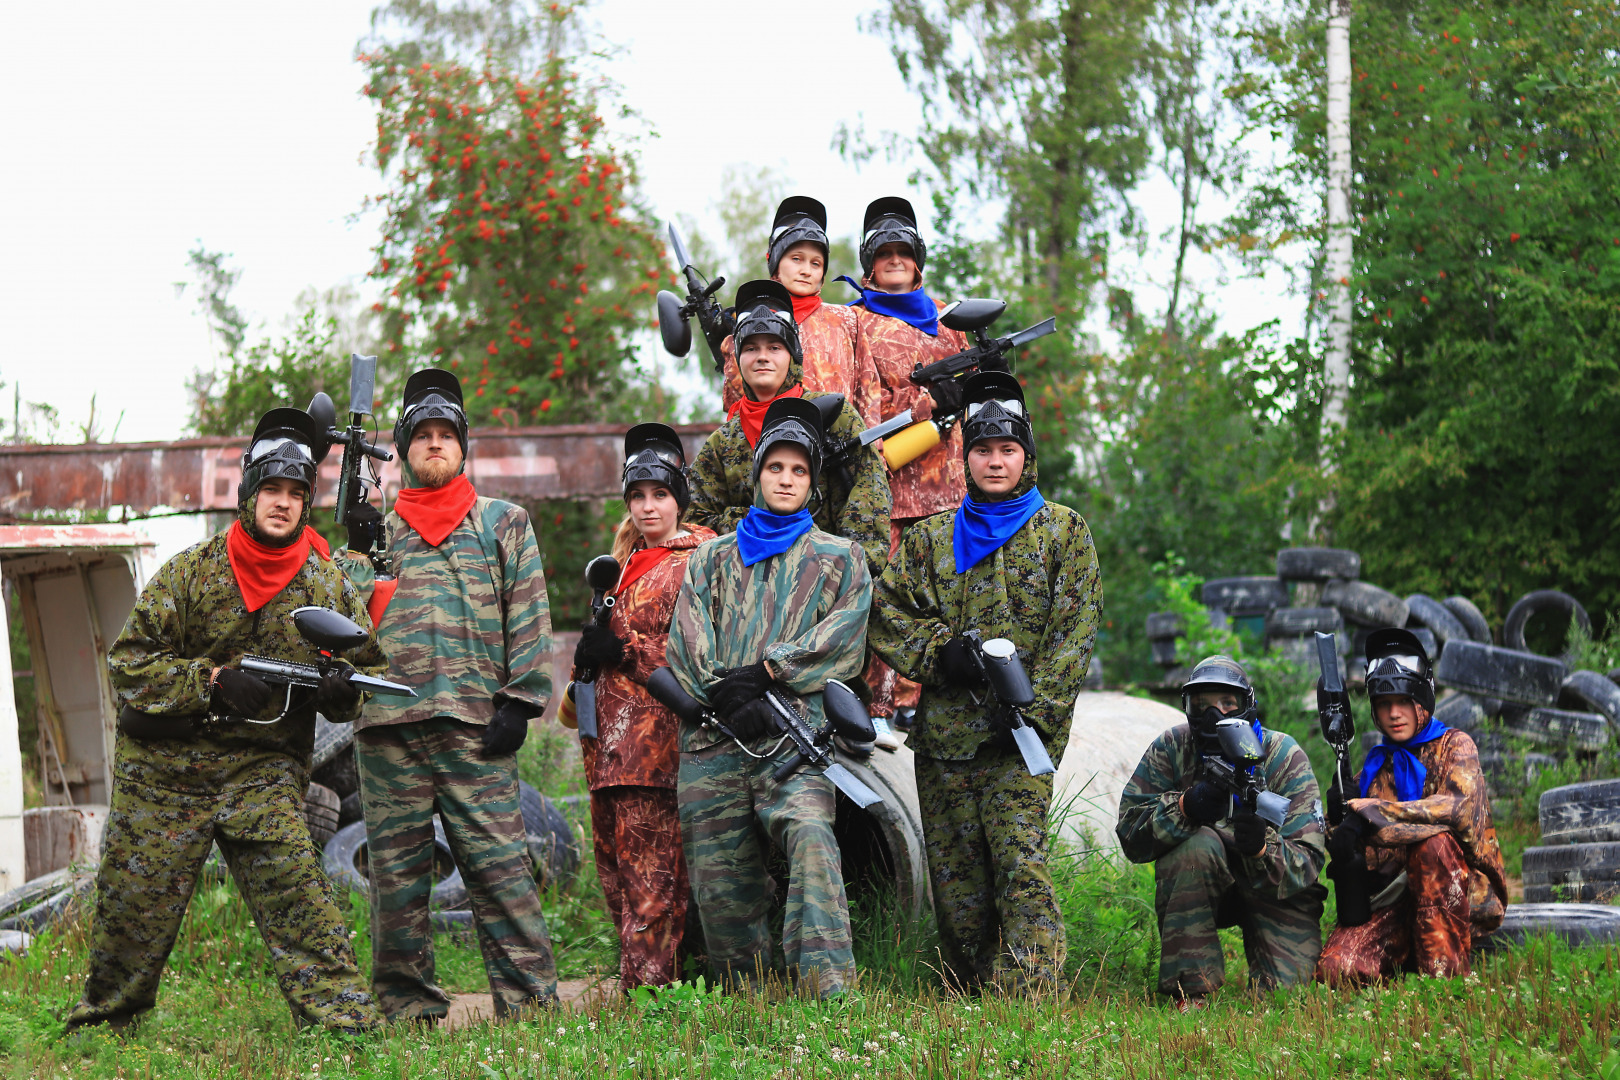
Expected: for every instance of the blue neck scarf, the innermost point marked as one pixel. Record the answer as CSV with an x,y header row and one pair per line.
x,y
1410,773
915,308
762,534
981,527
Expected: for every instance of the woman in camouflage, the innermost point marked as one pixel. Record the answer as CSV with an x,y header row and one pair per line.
x,y
631,765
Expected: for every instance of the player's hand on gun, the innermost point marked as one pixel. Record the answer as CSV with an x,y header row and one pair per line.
x,y
958,663
739,698
1205,803
364,524
336,695
599,649
241,693
1249,833
1348,841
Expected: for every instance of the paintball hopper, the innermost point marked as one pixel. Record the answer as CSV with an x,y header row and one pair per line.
x,y
849,717
1241,747
966,316
324,412
328,630
602,573
672,324
1006,674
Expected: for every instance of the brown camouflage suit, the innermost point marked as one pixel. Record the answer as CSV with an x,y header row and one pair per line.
x,y
631,768
468,627
828,340
1446,843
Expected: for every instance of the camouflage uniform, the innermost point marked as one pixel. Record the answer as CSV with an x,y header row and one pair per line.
x,y
468,628
805,611
1203,883
828,336
1456,884
236,784
984,816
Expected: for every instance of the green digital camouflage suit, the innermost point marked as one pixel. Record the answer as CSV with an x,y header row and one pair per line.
x,y
984,816
723,490
468,628
1203,883
804,611
236,784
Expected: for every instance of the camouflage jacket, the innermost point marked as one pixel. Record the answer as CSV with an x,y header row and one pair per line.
x,y
1455,800
891,348
828,337
722,491
1041,589
189,619
1151,822
803,610
637,740
469,625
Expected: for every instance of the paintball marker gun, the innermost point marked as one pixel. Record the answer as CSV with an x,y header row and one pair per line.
x,y
330,632
998,662
839,455
987,354
601,574
1349,876
700,301
1234,770
351,491
846,717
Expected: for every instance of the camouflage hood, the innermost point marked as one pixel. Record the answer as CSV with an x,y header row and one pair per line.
x,y
1030,478
245,515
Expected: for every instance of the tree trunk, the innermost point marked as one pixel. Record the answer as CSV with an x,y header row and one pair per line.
x,y
1336,369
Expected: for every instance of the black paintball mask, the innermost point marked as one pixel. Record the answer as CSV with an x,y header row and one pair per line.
x,y
287,444
431,394
799,220
654,452
790,420
766,307
993,408
1398,666
1215,678
890,220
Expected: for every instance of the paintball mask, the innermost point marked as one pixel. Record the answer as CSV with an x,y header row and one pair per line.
x,y
790,420
654,452
1217,690
993,408
799,220
766,307
890,220
287,444
1398,666
431,394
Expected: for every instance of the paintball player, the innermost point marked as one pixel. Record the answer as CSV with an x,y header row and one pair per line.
x,y
1006,564
631,765
469,628
1217,865
1424,809
797,257
777,604
204,754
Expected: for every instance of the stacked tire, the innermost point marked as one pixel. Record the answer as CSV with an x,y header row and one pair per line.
x,y
1579,857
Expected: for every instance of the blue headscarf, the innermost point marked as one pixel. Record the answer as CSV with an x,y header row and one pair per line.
x,y
983,527
915,308
762,534
1410,773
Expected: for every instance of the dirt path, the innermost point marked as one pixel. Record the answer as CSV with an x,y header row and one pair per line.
x,y
468,1010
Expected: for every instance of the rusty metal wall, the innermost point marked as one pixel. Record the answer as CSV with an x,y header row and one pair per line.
x,y
197,475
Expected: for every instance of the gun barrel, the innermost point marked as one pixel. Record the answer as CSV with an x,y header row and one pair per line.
x,y
1039,330
1327,655
383,687
885,429
681,257
283,671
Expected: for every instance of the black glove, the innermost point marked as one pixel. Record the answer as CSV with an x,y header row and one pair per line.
x,y
365,527
508,729
1205,803
754,720
1348,841
738,686
242,692
336,695
1250,834
957,665
599,649
947,395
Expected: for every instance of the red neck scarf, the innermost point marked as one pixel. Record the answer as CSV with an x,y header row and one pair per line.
x,y
435,512
263,571
751,414
640,563
805,306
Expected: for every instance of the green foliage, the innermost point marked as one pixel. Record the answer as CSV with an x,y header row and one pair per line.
x,y
275,374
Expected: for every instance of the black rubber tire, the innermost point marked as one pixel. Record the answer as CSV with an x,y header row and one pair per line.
x,y
341,773
1303,621
1318,564
1426,638
1596,693
55,905
34,890
1489,671
1509,772
1245,596
1164,652
341,861
1427,612
1461,711
1576,924
1574,873
1536,603
330,740
1473,620
553,844
321,809
1365,604
1163,626
351,810
1587,813
1582,730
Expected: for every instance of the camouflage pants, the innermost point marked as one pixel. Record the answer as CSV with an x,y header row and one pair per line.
x,y
985,827
408,772
642,867
1428,930
732,812
1196,893
154,846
